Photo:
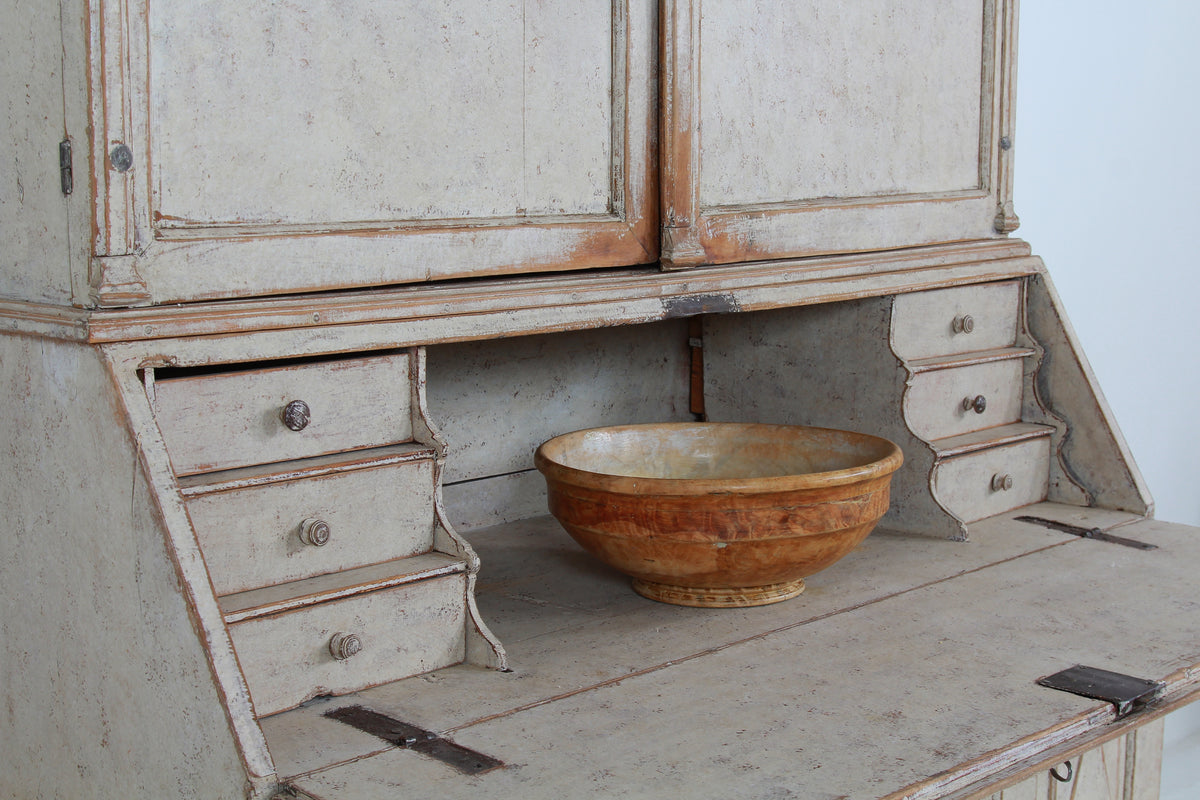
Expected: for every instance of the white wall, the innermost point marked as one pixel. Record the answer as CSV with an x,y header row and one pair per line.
x,y
1107,174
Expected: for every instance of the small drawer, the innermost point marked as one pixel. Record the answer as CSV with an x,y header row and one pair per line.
x,y
993,481
961,319
949,402
233,419
313,521
291,657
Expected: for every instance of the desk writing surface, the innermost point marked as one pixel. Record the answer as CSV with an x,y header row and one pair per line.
x,y
909,659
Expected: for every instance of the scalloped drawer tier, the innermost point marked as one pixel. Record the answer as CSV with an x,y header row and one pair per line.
x,y
993,480
956,399
960,319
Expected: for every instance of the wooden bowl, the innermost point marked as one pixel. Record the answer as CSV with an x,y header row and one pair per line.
x,y
718,514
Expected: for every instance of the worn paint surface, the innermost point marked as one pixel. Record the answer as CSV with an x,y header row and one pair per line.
x,y
108,690
35,259
754,702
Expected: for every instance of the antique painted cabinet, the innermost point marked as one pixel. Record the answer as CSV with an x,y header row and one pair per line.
x,y
290,292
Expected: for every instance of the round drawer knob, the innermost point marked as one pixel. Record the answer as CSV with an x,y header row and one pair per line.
x,y
1001,482
344,645
963,323
315,532
978,404
295,415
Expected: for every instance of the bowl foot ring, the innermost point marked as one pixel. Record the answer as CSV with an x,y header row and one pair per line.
x,y
741,597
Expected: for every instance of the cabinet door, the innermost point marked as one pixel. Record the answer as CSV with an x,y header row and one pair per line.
x,y
792,129
255,146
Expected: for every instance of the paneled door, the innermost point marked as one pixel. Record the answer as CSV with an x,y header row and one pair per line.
x,y
255,147
792,129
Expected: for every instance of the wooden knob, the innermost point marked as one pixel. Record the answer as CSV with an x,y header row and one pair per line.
x,y
344,645
295,415
1001,482
315,532
963,323
978,404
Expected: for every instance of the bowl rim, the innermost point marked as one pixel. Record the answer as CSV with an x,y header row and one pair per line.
x,y
555,471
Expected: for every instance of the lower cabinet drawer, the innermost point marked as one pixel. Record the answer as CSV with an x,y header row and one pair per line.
x,y
293,529
291,657
993,481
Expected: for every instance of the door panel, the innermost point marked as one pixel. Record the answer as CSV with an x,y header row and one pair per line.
x,y
283,147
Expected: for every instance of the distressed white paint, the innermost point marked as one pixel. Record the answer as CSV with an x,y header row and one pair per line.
x,y
829,100
315,210
251,536
934,401
351,112
498,400
923,322
108,686
1092,454
233,419
964,484
406,630
35,257
904,677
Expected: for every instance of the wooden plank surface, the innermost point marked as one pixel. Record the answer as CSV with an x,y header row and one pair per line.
x,y
910,658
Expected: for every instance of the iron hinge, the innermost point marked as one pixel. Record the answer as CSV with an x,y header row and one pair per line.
x,y
66,172
1125,692
409,736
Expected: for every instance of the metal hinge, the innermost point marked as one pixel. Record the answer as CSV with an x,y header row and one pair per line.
x,y
409,736
1125,692
65,170
1088,533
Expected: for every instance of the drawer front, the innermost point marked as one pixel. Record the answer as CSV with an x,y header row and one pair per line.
x,y
974,487
257,536
233,419
404,631
961,319
946,402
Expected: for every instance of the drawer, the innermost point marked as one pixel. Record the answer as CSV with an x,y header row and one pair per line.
x,y
232,419
402,631
946,402
973,486
255,535
961,319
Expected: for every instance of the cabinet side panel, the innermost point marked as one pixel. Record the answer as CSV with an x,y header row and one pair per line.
x,y
34,255
108,692
1093,454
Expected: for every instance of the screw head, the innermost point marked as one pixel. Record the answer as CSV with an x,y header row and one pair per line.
x,y
121,157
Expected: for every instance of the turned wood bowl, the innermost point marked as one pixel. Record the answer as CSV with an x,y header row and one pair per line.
x,y
718,514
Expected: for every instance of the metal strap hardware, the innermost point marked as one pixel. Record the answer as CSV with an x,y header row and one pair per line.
x,y
1125,692
1087,533
402,734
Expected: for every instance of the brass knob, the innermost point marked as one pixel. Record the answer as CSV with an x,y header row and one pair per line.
x,y
1001,482
963,323
344,645
315,532
295,415
978,404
